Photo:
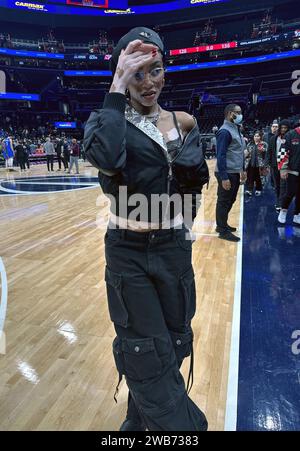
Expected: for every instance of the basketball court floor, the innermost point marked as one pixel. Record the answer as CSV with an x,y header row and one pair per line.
x,y
56,365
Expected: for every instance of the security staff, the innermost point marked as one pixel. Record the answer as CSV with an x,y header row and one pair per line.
x,y
229,169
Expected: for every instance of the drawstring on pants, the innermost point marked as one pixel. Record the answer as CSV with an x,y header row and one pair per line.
x,y
191,372
117,388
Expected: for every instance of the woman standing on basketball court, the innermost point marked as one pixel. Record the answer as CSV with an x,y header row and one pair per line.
x,y
144,151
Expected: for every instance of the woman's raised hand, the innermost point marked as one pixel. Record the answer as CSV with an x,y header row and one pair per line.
x,y
136,54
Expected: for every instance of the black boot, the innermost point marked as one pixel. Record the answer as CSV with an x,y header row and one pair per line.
x,y
228,236
231,229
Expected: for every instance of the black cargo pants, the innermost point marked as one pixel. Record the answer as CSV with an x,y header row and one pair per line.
x,y
152,300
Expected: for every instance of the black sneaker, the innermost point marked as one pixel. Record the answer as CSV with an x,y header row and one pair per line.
x,y
132,425
231,229
228,236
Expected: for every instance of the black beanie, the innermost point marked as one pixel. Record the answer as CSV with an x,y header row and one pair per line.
x,y
146,35
285,122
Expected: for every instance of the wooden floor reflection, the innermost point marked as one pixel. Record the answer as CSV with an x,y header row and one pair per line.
x,y
58,372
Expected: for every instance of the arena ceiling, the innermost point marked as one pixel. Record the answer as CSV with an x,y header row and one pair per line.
x,y
214,8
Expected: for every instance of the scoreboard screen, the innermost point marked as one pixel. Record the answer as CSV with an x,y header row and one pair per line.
x,y
90,3
65,124
104,4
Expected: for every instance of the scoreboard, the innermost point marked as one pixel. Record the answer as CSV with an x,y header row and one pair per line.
x,y
99,3
102,4
91,3
103,7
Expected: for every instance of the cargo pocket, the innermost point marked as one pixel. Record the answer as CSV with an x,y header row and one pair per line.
x,y
117,309
182,343
140,358
187,284
184,239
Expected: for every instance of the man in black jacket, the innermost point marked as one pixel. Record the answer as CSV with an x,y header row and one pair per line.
x,y
20,155
66,154
59,148
273,132
290,171
271,159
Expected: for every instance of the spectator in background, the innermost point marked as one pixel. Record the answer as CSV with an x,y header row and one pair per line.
x,y
20,155
204,146
8,152
274,149
66,155
33,148
267,137
290,171
274,129
48,148
255,163
59,149
74,155
27,153
213,146
8,41
214,140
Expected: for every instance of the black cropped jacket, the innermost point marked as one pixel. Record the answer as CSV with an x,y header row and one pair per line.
x,y
126,156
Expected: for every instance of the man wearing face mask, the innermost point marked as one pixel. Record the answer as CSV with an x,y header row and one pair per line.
x,y
229,169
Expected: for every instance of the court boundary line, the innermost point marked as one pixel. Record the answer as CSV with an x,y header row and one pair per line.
x,y
3,303
35,193
233,371
23,182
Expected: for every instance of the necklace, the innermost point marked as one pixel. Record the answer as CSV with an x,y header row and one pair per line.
x,y
154,118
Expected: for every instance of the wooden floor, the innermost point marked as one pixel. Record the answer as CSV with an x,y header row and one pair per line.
x,y
58,371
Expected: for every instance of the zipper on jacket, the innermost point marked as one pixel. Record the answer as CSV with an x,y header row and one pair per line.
x,y
170,172
183,145
169,179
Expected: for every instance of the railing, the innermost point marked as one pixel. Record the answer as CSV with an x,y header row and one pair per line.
x,y
71,46
25,42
